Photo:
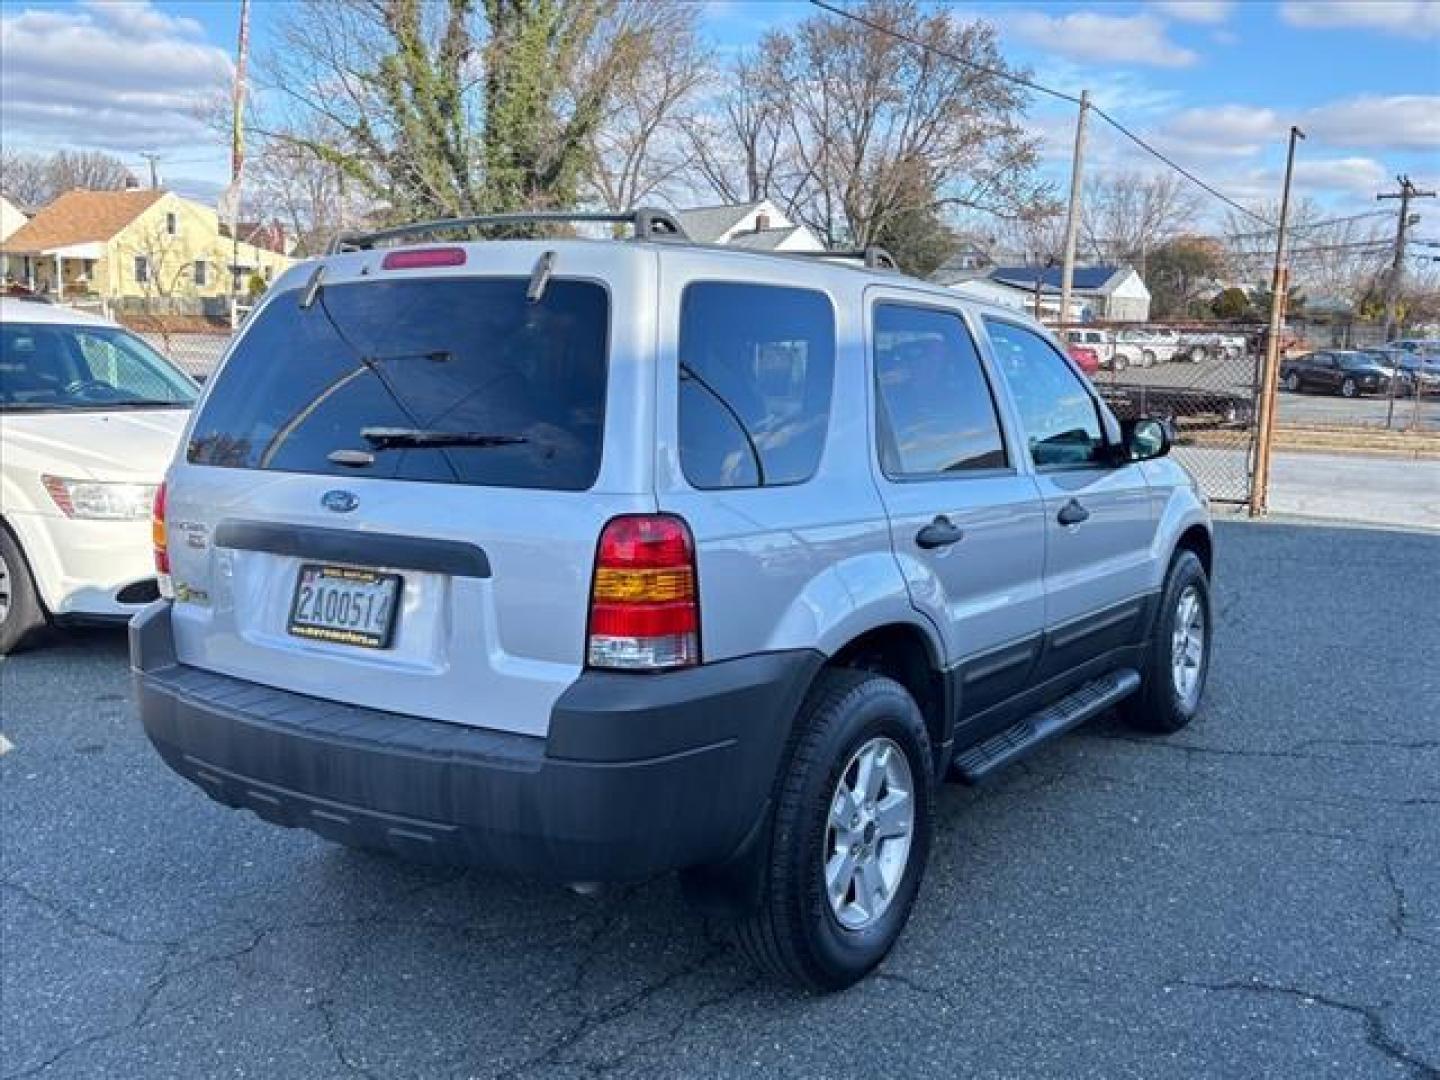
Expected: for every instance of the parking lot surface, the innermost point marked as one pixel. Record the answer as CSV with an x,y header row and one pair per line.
x,y
1257,896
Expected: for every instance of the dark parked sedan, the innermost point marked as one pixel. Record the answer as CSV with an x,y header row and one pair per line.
x,y
1347,373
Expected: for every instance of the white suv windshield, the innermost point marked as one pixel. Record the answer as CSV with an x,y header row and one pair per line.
x,y
51,367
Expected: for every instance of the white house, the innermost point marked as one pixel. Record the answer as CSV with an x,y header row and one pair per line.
x,y
11,219
1110,293
759,226
1020,299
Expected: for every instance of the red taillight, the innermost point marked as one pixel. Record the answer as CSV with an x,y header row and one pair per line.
x,y
158,537
418,260
644,605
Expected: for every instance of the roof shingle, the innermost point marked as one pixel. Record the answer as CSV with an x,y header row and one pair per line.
x,y
80,217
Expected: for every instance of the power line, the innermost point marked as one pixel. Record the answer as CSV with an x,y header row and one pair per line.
x,y
1009,76
1312,225
999,73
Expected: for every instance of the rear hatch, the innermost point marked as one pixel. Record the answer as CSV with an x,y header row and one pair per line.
x,y
391,496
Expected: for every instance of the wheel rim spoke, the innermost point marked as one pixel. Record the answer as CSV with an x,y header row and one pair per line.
x,y
870,889
892,816
839,873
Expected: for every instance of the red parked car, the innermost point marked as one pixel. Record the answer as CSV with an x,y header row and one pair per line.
x,y
1086,357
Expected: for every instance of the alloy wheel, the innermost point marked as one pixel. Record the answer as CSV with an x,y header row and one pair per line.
x,y
868,833
1187,646
5,588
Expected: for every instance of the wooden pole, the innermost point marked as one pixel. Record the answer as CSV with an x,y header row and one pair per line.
x,y
1072,217
1260,477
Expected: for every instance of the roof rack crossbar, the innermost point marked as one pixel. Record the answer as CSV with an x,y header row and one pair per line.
x,y
648,223
874,256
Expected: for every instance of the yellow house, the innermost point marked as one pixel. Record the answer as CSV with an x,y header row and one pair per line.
x,y
133,245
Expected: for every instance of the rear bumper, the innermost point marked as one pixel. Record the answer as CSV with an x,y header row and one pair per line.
x,y
639,775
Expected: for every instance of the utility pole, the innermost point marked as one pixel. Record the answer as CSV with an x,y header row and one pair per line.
x,y
1265,413
1396,277
152,158
1072,217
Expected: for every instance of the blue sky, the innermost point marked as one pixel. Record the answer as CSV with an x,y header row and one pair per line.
x,y
1216,83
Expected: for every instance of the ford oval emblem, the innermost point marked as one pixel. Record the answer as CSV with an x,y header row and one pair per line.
x,y
342,502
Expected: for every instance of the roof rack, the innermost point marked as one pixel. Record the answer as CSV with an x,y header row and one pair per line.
x,y
874,256
649,224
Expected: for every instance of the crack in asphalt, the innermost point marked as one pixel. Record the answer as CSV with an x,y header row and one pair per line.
x,y
1400,902
1216,751
591,1020
144,1011
1377,1035
1387,744
65,913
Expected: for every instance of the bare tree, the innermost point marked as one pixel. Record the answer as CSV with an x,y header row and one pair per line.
x,y
740,148
33,180
638,148
24,179
864,112
1127,216
308,194
1033,236
89,169
1333,257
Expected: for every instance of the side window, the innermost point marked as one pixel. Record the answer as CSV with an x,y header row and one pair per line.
x,y
1062,424
756,367
936,414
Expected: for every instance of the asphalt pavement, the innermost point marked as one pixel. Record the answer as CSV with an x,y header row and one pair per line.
x,y
1257,896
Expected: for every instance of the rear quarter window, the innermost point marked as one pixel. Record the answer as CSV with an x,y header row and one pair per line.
x,y
756,367
463,357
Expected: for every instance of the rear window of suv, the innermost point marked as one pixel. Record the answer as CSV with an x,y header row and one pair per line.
x,y
454,380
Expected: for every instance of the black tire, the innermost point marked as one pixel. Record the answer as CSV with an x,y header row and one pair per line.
x,y
1158,705
1292,382
23,615
1349,388
1118,363
793,933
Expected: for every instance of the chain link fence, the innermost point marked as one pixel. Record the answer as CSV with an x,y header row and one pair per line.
x,y
1204,385
198,354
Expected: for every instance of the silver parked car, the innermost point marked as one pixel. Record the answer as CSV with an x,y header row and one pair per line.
x,y
593,560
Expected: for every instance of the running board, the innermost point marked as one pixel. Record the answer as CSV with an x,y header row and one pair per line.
x,y
977,762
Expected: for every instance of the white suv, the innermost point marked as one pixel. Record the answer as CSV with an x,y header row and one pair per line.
x,y
89,419
595,560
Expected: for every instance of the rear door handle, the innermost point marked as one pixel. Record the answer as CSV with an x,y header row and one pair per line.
x,y
1072,513
942,532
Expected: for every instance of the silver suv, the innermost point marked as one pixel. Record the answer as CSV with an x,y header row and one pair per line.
x,y
593,560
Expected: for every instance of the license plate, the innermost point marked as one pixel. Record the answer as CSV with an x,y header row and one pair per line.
x,y
345,605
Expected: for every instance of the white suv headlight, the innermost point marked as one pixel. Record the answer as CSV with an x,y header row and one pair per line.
x,y
100,500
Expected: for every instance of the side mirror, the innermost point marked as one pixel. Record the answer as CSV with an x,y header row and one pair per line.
x,y
1144,439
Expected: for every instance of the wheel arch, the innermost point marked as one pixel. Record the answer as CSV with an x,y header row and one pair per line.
x,y
903,651
1197,538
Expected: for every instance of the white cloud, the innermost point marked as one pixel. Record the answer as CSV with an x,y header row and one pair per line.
x,y
1411,18
1091,36
1399,122
1402,122
1352,175
121,77
1198,11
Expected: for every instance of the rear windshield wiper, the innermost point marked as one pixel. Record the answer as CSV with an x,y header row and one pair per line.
x,y
383,438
